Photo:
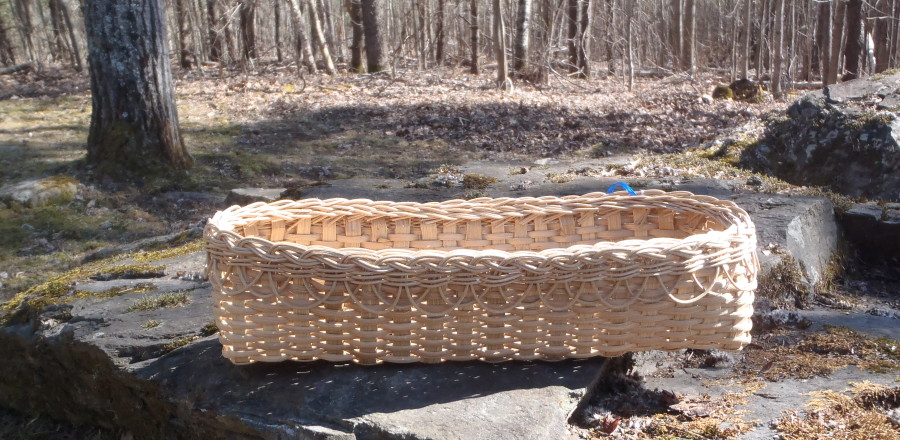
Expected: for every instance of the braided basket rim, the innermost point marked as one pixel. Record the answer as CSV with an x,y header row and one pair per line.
x,y
738,223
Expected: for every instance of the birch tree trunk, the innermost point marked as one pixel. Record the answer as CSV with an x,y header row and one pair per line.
x,y
320,36
134,122
303,43
520,51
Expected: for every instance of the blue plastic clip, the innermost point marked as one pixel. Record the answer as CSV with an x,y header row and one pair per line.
x,y
624,186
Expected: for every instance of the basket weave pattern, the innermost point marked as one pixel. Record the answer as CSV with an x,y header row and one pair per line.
x,y
490,279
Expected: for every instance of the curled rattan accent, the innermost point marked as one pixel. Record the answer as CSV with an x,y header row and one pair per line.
x,y
489,279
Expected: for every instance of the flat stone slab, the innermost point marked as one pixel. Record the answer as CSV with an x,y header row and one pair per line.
x,y
96,357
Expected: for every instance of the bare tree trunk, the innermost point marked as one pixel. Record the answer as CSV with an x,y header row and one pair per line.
x,y
320,36
572,14
523,20
303,43
7,56
882,37
778,60
761,42
356,43
185,55
439,34
503,81
22,13
372,29
823,37
854,40
584,40
690,21
248,29
629,39
56,45
837,41
134,122
677,38
473,17
215,36
748,29
277,15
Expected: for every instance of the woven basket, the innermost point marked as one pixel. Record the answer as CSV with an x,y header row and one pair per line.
x,y
490,279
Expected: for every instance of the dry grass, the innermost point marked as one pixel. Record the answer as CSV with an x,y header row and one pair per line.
x,y
818,354
861,415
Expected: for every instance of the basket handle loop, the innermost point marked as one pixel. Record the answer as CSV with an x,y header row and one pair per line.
x,y
624,186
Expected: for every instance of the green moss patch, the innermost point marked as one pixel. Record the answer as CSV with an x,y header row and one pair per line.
x,y
151,323
178,343
59,289
170,299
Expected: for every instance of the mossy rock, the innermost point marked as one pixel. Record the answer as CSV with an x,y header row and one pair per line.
x,y
34,193
723,92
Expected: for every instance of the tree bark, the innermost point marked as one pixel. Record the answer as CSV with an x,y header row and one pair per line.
x,y
854,45
277,16
823,39
371,17
473,17
7,56
882,38
186,55
761,41
215,37
134,122
748,29
22,13
690,22
73,42
439,34
356,43
248,29
837,41
303,44
523,25
503,81
629,39
677,39
584,39
320,37
572,15
778,60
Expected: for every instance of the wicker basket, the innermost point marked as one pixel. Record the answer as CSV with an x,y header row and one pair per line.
x,y
491,279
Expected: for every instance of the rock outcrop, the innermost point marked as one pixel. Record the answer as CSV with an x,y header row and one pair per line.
x,y
846,137
137,355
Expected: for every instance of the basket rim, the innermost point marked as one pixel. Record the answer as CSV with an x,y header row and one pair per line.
x,y
222,225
